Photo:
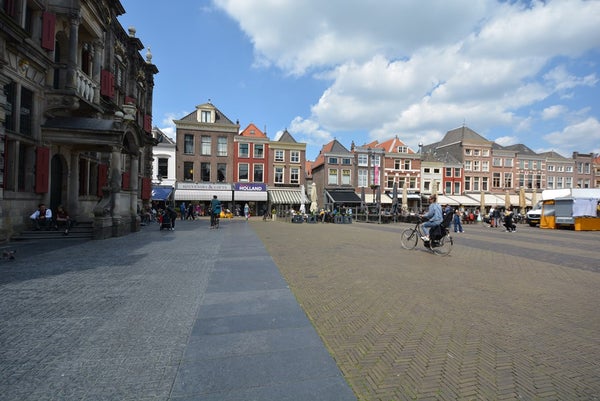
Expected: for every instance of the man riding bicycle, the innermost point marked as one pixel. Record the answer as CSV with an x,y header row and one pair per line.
x,y
434,216
215,211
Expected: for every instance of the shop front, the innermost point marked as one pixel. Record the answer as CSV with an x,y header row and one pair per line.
x,y
254,194
202,193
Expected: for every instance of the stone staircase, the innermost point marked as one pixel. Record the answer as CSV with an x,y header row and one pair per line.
x,y
81,230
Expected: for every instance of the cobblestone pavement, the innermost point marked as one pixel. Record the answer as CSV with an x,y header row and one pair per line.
x,y
507,316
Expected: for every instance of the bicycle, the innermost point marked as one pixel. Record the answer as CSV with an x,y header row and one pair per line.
x,y
214,220
440,244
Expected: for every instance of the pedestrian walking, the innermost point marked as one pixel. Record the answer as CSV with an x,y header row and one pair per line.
x,y
182,209
458,228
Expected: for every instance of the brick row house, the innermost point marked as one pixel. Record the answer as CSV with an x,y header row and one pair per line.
x,y
216,158
247,167
75,114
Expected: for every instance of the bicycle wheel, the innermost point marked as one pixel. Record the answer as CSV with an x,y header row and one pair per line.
x,y
445,245
409,238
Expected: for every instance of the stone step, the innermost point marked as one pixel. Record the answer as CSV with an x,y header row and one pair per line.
x,y
82,230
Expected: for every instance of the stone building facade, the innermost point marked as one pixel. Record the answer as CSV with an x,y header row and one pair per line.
x,y
75,114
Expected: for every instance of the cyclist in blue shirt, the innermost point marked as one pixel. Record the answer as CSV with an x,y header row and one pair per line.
x,y
434,216
215,211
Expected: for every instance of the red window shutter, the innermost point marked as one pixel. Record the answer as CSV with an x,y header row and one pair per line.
x,y
107,83
146,188
102,177
48,27
125,178
148,123
42,166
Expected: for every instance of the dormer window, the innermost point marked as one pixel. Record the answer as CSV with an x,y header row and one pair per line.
x,y
205,116
402,149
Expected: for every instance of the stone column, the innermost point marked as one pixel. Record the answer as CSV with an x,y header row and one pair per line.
x,y
72,57
97,54
134,193
73,189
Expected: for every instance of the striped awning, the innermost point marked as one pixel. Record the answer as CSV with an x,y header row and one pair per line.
x,y
286,196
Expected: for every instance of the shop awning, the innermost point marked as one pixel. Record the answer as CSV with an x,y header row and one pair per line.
x,y
161,193
202,195
343,196
252,196
464,200
385,200
286,196
446,200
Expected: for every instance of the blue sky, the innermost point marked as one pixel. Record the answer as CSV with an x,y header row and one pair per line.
x,y
514,71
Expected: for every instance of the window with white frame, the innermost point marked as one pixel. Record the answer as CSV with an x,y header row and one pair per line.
x,y
259,151
407,164
467,183
485,165
294,156
346,161
402,149
468,152
476,184
475,165
188,144
476,152
205,116
456,172
332,160
346,177
497,162
495,180
332,176
363,160
258,173
221,146
279,155
468,165
508,180
205,145
508,162
448,171
550,167
485,152
244,150
456,188
278,177
376,160
294,175
243,172
550,182
448,187
362,177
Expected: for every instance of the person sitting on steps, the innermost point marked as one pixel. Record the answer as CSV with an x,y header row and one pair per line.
x,y
42,218
63,219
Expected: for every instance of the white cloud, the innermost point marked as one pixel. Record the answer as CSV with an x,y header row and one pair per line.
x,y
402,68
309,131
552,112
582,137
507,140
